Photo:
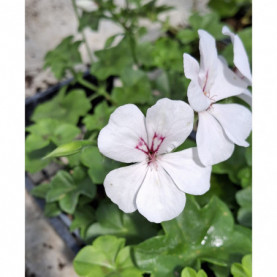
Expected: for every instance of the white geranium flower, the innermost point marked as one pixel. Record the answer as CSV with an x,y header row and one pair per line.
x,y
241,62
156,183
220,125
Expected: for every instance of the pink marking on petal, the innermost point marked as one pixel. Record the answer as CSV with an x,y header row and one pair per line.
x,y
206,81
153,150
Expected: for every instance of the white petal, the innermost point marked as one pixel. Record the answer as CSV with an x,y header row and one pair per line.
x,y
208,59
240,56
198,101
158,198
186,171
236,121
247,97
122,184
226,83
191,67
118,140
212,143
171,120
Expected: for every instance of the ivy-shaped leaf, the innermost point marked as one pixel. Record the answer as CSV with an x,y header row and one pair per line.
x,y
107,256
67,188
47,130
190,272
90,19
233,165
83,218
65,108
64,57
244,199
112,221
41,190
209,22
244,269
198,234
33,159
168,60
112,61
99,166
100,117
136,88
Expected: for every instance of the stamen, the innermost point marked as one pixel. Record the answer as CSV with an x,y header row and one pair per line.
x,y
151,152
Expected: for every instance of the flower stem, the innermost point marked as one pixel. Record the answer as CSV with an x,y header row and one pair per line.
x,y
82,32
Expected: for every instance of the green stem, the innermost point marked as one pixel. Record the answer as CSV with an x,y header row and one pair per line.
x,y
94,96
87,84
82,32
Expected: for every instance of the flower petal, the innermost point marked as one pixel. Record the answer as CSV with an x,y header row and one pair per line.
x,y
212,143
246,96
226,83
198,101
171,120
186,171
236,121
119,138
122,184
191,67
208,59
159,199
240,56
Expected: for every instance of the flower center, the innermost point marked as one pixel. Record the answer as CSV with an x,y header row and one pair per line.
x,y
152,149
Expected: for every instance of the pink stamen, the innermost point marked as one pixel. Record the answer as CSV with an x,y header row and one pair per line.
x,y
152,151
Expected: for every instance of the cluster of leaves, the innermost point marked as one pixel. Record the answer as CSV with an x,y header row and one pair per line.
x,y
213,233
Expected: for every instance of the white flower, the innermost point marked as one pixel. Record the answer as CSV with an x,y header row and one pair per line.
x,y
156,183
220,125
241,62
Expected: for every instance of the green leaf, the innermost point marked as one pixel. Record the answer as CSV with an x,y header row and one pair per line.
x,y
47,130
233,165
99,118
107,256
70,148
226,8
110,40
65,108
136,88
64,57
245,176
34,161
41,190
90,19
99,166
145,53
34,142
244,269
52,209
168,60
67,188
187,35
244,199
110,220
198,234
83,218
222,187
190,272
112,61
209,22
